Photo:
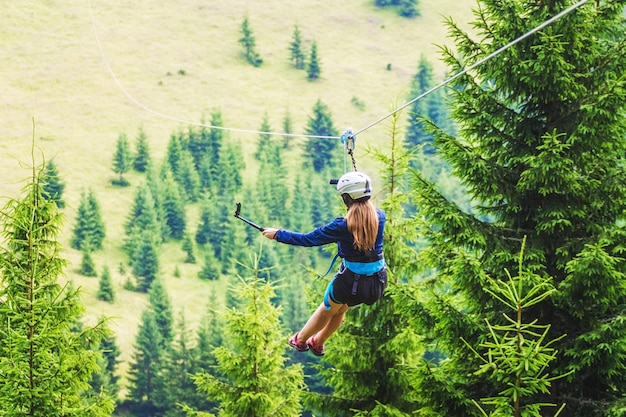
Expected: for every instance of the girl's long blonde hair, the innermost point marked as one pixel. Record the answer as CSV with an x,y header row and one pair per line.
x,y
362,222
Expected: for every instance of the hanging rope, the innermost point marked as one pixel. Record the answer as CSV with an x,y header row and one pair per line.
x,y
351,137
176,119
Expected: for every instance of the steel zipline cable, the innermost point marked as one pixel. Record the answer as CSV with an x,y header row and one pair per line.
x,y
478,63
352,134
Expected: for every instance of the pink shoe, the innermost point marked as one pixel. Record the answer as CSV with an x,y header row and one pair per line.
x,y
318,350
299,346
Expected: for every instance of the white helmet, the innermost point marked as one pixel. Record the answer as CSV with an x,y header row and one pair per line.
x,y
356,184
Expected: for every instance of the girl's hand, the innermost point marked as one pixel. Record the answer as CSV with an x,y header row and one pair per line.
x,y
270,232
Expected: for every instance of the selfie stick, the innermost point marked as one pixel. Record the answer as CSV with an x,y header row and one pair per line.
x,y
238,210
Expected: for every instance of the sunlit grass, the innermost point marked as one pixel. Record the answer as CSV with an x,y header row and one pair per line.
x,y
181,59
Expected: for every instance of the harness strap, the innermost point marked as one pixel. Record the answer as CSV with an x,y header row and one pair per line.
x,y
332,263
355,283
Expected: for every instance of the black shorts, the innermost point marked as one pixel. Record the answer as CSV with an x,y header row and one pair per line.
x,y
354,289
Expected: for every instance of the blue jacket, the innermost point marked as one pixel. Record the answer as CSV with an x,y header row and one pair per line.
x,y
335,231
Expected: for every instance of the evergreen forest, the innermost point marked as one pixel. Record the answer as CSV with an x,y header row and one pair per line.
x,y
503,187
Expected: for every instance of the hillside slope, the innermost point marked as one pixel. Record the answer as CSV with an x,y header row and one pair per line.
x,y
175,61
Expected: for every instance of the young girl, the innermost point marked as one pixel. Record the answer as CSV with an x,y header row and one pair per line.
x,y
362,277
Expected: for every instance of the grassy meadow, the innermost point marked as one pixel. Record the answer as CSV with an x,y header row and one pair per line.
x,y
174,62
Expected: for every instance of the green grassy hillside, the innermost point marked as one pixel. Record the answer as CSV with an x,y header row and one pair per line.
x,y
181,59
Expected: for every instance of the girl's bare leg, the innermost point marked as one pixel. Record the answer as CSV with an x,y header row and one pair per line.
x,y
332,325
323,320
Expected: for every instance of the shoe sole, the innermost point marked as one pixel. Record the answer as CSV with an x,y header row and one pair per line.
x,y
298,348
315,351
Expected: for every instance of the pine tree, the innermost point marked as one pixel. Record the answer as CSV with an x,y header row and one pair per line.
x,y
173,207
122,160
230,167
141,161
160,305
89,224
199,146
264,146
52,184
44,366
188,248
252,377
313,69
154,181
295,49
320,150
174,153
209,223
287,128
540,149
87,264
143,219
208,168
408,8
145,372
178,369
248,42
431,107
106,292
145,261
210,336
106,380
187,177
210,269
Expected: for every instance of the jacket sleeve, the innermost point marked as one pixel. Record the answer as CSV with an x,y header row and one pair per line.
x,y
330,233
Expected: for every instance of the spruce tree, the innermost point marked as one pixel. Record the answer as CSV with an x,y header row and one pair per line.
x,y
208,223
145,375
210,269
248,42
408,8
141,160
253,379
540,149
106,380
188,248
144,261
160,305
210,336
174,152
53,185
431,107
296,53
122,160
106,292
178,369
287,128
320,151
210,166
264,145
187,177
229,169
45,367
173,207
142,219
313,69
87,264
89,224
